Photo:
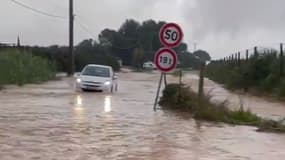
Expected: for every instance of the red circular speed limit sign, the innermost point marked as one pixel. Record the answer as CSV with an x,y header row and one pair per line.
x,y
165,60
170,35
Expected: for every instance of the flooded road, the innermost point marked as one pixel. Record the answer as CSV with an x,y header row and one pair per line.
x,y
52,122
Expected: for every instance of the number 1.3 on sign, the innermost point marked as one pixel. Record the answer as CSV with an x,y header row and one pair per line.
x,y
165,60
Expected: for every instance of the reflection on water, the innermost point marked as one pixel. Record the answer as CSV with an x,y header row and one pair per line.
x,y
78,109
79,104
107,104
78,100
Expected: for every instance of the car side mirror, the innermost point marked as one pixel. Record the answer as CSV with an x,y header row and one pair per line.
x,y
115,77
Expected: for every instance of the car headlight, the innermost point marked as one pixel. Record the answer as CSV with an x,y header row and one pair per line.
x,y
107,83
78,80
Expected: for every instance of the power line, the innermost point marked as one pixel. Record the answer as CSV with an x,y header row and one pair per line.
x,y
84,27
54,2
36,10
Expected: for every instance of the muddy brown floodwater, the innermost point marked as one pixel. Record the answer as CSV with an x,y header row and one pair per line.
x,y
52,122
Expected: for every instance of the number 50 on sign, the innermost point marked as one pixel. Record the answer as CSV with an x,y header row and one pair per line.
x,y
170,35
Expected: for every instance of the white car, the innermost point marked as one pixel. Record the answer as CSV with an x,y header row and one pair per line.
x,y
97,77
149,66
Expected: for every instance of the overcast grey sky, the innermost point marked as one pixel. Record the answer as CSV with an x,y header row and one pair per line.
x,y
219,26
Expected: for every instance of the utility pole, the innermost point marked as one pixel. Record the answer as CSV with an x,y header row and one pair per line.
x,y
195,47
71,54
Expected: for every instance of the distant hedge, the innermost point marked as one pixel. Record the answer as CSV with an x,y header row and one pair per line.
x,y
21,67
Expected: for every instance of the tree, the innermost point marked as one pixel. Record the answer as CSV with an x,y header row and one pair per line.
x,y
88,43
188,60
138,58
107,37
133,43
203,55
129,29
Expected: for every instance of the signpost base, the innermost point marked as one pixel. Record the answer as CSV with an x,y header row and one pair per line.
x,y
157,93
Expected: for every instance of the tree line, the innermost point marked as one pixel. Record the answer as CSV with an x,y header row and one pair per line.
x,y
133,43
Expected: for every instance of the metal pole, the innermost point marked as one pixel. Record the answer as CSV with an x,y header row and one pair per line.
x,y
157,93
165,79
71,54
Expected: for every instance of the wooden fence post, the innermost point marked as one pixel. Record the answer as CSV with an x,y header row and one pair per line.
x,y
239,59
247,56
255,52
201,81
281,60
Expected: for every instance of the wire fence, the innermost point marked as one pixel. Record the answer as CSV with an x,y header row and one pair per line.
x,y
257,52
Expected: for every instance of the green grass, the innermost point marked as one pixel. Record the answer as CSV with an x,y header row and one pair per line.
x,y
184,99
20,67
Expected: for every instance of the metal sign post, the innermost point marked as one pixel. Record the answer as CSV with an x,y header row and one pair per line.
x,y
157,93
165,61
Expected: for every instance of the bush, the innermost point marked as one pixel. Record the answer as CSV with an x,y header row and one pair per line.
x,y
175,97
182,98
270,83
281,89
258,74
243,117
271,126
19,68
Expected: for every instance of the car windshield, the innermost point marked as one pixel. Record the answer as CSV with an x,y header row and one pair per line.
x,y
96,71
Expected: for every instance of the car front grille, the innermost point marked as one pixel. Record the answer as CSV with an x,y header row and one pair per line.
x,y
87,85
90,82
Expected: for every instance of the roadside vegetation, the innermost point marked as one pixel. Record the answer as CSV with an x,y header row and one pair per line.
x,y
22,67
261,74
132,44
181,98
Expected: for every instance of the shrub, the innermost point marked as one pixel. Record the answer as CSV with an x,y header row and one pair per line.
x,y
281,89
270,82
175,96
243,117
258,74
182,98
19,68
271,126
